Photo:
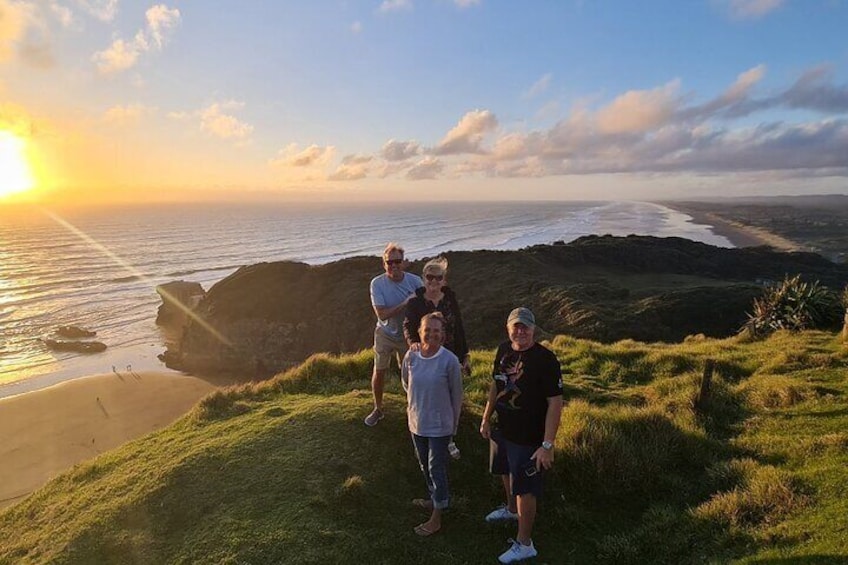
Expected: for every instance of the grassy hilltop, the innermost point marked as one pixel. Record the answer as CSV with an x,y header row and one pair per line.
x,y
285,472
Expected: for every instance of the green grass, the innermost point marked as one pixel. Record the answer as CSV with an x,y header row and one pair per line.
x,y
285,472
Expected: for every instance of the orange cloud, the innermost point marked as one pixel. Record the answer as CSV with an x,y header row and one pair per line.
x,y
467,135
639,110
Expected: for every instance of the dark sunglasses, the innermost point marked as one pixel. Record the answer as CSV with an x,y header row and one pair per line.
x,y
434,277
394,261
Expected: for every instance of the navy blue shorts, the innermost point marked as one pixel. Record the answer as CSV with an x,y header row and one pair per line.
x,y
508,458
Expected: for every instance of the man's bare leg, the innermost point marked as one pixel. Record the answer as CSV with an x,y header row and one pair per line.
x,y
526,518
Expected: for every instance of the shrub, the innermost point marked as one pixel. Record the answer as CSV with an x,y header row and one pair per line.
x,y
793,305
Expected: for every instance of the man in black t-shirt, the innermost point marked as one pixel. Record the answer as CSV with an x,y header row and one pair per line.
x,y
521,420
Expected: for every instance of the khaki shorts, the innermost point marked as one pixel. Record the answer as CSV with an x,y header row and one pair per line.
x,y
384,347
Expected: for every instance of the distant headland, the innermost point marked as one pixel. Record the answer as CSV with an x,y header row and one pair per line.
x,y
265,317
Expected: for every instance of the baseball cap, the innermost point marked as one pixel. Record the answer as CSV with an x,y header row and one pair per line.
x,y
523,315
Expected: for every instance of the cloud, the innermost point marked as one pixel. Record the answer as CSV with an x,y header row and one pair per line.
x,y
394,150
160,20
119,56
427,168
312,156
538,87
24,31
734,101
122,55
104,10
356,27
656,132
15,18
468,134
813,92
38,55
394,6
215,121
639,110
127,115
180,116
466,3
62,13
353,167
750,9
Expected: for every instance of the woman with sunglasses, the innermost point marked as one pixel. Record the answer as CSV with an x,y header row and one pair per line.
x,y
436,296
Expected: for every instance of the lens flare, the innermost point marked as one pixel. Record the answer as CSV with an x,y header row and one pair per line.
x,y
135,272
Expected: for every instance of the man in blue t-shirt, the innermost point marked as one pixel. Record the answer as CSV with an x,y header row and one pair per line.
x,y
390,293
525,402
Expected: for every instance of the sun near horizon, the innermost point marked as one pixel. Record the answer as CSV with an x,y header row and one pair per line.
x,y
16,175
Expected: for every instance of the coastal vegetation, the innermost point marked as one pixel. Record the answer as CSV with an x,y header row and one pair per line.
x,y
647,470
794,305
603,288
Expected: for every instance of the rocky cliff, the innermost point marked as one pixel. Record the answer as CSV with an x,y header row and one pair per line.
x,y
605,288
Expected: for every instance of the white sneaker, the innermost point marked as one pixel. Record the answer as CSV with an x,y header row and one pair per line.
x,y
501,513
375,416
518,552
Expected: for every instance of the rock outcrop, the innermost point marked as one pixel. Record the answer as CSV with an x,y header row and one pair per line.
x,y
265,317
74,332
178,298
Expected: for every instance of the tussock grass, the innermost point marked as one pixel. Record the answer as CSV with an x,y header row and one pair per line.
x,y
616,450
765,495
774,391
283,471
733,473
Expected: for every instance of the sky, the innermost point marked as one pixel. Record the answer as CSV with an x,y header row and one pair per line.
x,y
404,100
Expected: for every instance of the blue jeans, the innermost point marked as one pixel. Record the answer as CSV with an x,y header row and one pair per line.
x,y
432,454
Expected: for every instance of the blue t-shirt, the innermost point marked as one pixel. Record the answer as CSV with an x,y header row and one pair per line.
x,y
387,293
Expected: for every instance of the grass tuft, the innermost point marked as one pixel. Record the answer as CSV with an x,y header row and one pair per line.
x,y
765,496
616,451
774,391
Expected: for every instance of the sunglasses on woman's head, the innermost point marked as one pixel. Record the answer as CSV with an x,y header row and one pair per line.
x,y
434,277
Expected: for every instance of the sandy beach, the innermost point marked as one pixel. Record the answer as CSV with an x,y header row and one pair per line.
x,y
740,235
47,431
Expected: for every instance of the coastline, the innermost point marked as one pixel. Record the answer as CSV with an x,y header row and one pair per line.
x,y
47,431
740,235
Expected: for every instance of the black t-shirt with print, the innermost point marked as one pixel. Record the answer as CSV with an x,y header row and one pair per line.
x,y
524,380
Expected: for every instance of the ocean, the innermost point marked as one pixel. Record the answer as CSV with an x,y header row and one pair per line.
x,y
97,268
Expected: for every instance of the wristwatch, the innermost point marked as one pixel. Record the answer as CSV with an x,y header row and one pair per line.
x,y
547,446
